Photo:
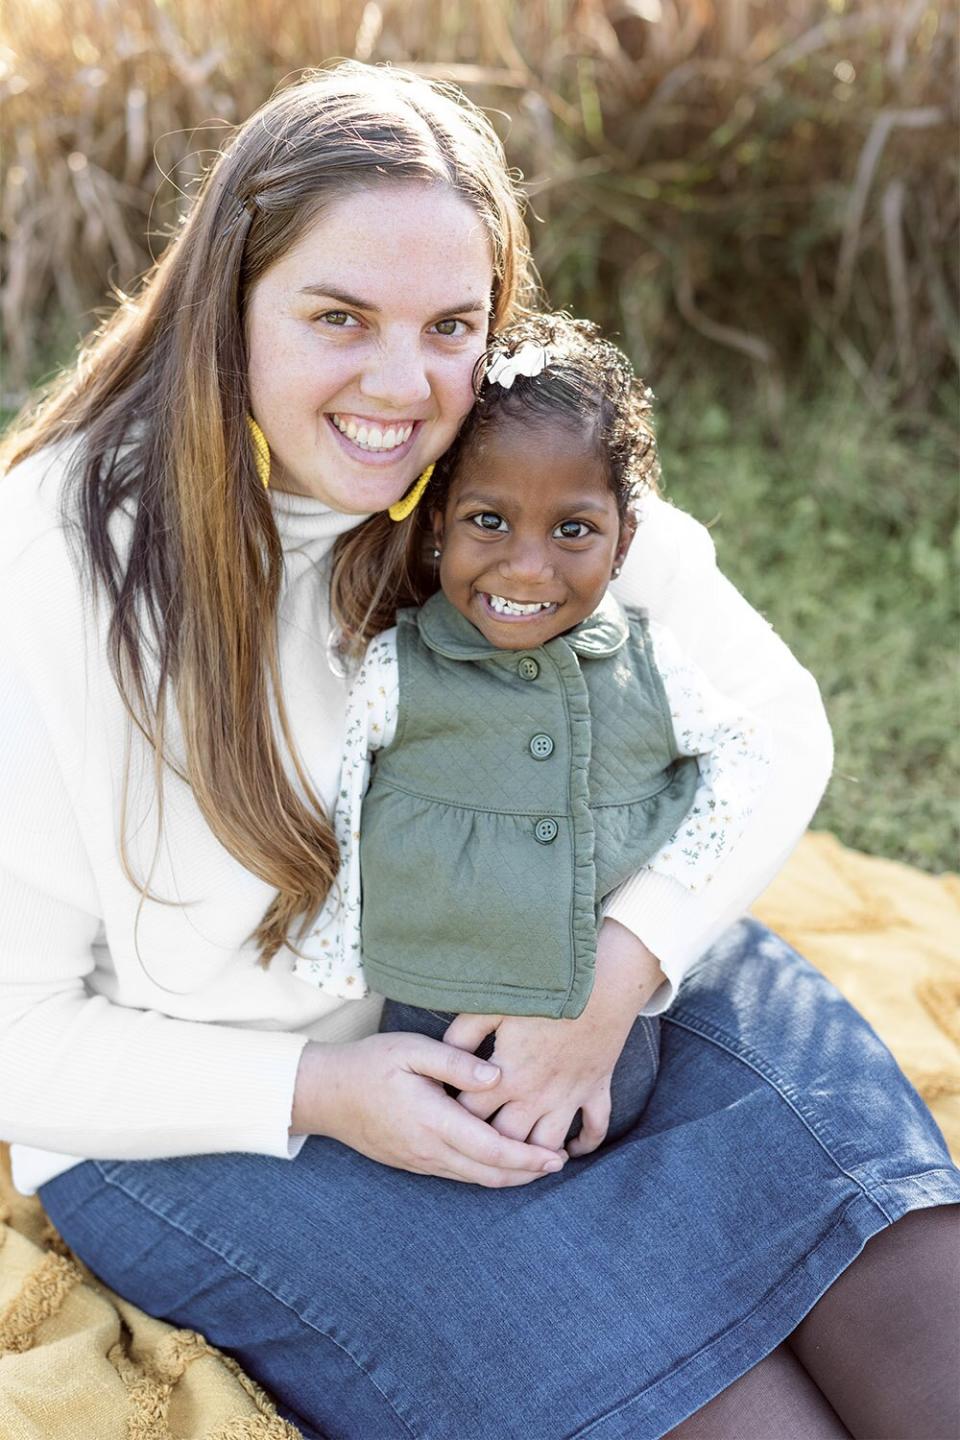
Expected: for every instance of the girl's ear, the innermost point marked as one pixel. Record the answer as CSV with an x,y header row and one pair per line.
x,y
628,528
436,520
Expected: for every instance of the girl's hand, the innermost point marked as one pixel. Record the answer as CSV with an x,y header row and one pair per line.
x,y
553,1068
384,1096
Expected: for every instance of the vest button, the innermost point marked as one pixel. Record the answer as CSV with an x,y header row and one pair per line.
x,y
541,746
528,669
546,831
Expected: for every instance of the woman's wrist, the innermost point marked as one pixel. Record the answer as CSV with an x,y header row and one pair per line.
x,y
312,1088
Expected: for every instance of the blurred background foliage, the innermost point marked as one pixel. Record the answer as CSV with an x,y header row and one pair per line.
x,y
758,197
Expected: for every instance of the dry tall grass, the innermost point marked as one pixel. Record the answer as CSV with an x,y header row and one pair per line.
x,y
755,173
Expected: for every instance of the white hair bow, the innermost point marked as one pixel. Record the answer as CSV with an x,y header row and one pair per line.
x,y
528,359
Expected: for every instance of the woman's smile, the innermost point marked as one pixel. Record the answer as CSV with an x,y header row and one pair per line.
x,y
373,436
374,442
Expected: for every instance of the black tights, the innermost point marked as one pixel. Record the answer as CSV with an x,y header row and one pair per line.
x,y
877,1358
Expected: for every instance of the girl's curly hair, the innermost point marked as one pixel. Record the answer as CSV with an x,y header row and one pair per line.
x,y
586,383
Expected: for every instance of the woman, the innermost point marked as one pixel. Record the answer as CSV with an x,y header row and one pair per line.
x,y
171,572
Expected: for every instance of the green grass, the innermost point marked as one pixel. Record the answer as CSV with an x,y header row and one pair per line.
x,y
845,535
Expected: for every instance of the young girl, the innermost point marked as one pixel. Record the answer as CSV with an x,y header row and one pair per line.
x,y
532,744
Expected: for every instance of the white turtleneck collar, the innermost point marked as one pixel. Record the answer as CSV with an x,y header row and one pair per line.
x,y
307,526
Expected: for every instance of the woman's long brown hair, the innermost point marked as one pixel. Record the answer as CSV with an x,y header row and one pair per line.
x,y
158,401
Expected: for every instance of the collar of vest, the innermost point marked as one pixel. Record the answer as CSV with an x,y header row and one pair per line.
x,y
452,635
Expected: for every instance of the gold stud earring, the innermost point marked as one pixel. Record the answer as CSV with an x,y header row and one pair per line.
x,y
261,451
400,509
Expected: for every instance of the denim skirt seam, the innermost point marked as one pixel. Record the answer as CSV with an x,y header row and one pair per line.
x,y
648,1026
939,1185
596,1426
767,1072
207,1244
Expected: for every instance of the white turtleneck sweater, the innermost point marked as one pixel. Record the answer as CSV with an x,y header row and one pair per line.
x,y
135,1029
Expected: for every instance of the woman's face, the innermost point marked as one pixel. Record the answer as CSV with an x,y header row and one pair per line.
x,y
362,340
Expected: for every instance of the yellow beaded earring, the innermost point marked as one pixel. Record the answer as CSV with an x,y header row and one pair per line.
x,y
261,451
400,509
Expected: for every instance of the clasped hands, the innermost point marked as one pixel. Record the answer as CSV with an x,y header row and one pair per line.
x,y
384,1095
550,1069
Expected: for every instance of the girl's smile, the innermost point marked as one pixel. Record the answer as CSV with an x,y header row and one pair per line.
x,y
530,532
503,609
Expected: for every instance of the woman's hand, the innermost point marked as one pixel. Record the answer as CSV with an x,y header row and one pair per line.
x,y
384,1096
553,1068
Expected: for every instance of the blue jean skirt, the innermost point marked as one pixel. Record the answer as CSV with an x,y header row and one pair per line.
x,y
611,1300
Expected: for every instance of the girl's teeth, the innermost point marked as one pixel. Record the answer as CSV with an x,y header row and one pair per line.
x,y
513,607
371,437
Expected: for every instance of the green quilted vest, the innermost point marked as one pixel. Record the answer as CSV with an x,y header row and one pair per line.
x,y
521,788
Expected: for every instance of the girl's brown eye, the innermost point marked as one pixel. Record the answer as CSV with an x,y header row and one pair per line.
x,y
572,530
489,520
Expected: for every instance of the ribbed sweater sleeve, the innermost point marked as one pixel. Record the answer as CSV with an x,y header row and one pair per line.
x,y
671,573
79,1074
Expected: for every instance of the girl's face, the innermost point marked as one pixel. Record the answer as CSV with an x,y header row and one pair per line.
x,y
362,340
530,533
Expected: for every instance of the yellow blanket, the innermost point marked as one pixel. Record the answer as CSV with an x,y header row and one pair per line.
x,y
78,1363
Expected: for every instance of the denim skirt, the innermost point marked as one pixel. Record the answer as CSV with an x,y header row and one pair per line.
x,y
611,1300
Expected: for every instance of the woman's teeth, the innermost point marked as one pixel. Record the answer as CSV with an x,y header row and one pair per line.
x,y
371,437
513,607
